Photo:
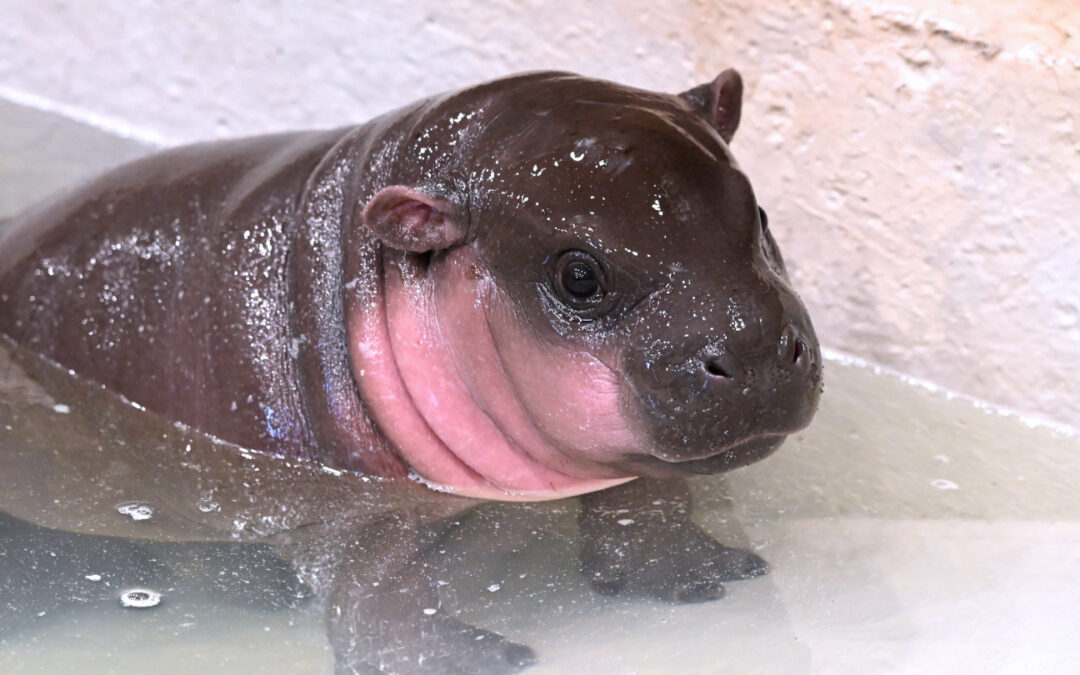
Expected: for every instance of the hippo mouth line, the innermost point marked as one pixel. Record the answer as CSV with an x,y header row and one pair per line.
x,y
731,457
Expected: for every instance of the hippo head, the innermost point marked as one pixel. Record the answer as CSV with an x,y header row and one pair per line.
x,y
588,291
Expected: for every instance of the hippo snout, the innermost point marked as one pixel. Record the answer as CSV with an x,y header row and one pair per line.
x,y
794,351
731,402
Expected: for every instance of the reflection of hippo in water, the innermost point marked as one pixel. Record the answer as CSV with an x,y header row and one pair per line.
x,y
539,287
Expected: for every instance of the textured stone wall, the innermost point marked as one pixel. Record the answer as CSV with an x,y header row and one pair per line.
x,y
920,160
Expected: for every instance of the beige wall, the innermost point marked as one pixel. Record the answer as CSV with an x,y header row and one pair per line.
x,y
920,160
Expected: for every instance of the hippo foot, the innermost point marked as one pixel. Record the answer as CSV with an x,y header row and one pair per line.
x,y
436,646
640,540
692,572
384,616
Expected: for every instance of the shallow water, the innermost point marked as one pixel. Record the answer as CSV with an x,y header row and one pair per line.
x,y
907,531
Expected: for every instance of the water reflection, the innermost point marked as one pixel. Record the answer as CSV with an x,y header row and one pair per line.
x,y
111,508
874,566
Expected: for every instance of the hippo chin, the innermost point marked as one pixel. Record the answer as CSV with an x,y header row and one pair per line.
x,y
537,287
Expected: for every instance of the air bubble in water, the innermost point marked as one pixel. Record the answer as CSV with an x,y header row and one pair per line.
x,y
206,503
136,510
140,598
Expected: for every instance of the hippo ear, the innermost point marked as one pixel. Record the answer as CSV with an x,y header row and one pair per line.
x,y
719,102
413,220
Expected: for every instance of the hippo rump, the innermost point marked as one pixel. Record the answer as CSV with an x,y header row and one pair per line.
x,y
533,288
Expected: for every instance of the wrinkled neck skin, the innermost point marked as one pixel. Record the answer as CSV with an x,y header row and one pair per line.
x,y
699,358
433,353
474,403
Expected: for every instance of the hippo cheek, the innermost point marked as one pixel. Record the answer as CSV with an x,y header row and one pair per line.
x,y
570,395
557,403
430,372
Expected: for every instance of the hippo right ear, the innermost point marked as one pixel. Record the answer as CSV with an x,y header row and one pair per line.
x,y
410,219
719,102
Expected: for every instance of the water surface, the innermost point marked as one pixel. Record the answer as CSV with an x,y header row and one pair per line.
x,y
907,530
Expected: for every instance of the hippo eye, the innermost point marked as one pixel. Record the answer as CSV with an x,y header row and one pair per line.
x,y
764,218
578,279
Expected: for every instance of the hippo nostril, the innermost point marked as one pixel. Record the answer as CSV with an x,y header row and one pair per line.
x,y
800,349
790,347
786,345
716,368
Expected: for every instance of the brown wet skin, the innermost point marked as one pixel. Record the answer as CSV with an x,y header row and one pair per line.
x,y
537,287
214,283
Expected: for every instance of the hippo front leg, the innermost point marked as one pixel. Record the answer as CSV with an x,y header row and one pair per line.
x,y
638,538
384,615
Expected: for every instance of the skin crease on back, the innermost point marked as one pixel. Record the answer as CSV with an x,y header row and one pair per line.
x,y
534,288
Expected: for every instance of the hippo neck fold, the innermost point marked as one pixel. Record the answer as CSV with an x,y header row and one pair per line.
x,y
428,366
354,168
344,431
341,306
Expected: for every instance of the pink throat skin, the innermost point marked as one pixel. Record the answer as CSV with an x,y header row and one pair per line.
x,y
441,370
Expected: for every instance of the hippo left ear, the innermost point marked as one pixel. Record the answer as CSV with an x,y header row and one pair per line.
x,y
719,102
410,219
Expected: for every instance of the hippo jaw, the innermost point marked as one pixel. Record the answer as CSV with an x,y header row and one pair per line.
x,y
732,457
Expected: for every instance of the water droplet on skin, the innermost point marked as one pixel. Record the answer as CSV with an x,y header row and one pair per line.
x,y
206,503
93,577
61,408
625,521
136,511
494,587
429,610
140,598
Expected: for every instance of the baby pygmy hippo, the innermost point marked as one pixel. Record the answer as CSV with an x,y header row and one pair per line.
x,y
538,287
